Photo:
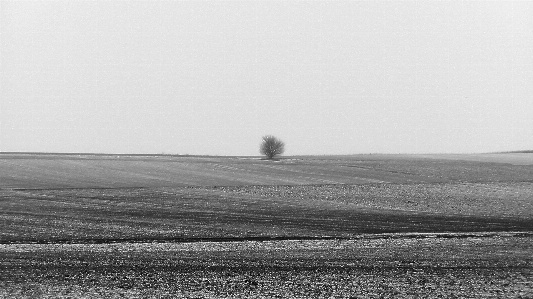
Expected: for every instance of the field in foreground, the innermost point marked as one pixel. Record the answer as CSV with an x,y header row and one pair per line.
x,y
498,266
367,226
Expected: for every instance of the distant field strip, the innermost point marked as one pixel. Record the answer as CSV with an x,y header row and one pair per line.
x,y
26,171
507,158
114,173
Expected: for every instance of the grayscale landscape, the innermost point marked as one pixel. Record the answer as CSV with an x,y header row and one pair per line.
x,y
266,149
359,226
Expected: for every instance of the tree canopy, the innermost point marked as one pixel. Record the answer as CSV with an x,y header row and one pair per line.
x,y
271,146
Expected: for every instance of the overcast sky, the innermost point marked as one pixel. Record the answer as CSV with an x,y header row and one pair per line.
x,y
212,77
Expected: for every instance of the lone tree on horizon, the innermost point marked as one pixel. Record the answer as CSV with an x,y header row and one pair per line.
x,y
271,146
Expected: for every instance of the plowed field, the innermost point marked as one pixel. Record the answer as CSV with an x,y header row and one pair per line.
x,y
367,226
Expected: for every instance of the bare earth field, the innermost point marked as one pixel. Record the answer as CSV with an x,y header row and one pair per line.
x,y
364,226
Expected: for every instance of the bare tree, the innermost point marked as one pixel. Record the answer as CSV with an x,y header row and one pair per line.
x,y
271,146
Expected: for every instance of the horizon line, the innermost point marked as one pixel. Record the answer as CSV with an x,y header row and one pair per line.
x,y
237,156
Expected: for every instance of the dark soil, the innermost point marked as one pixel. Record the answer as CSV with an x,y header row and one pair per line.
x,y
196,213
498,266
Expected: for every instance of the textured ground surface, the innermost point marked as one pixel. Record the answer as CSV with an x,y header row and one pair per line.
x,y
89,171
474,267
251,211
448,226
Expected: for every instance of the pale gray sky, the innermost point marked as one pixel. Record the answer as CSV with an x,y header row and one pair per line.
x,y
212,77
